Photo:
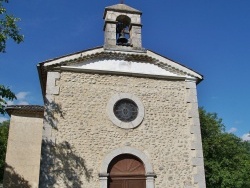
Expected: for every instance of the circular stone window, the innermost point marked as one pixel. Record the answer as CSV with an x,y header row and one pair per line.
x,y
125,110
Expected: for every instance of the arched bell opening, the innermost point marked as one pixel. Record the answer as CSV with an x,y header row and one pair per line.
x,y
122,30
126,171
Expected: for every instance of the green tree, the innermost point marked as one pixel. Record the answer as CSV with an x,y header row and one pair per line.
x,y
4,129
8,27
226,157
5,93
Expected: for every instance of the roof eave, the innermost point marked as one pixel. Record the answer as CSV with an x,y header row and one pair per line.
x,y
195,73
25,109
42,81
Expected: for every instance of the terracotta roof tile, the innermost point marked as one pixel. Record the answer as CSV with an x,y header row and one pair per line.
x,y
24,109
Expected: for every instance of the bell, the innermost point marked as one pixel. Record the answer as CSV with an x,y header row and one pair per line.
x,y
122,39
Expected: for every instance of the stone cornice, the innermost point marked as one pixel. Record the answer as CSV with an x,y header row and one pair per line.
x,y
142,75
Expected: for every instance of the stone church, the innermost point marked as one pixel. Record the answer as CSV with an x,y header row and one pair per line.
x,y
115,116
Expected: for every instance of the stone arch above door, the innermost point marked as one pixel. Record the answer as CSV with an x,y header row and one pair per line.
x,y
126,171
103,176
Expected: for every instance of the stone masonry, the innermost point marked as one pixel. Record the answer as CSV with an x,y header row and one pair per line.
x,y
164,135
23,151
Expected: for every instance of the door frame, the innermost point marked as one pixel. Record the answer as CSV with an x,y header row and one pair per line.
x,y
103,175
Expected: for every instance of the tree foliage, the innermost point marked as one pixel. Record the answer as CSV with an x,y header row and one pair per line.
x,y
8,27
226,157
5,93
4,130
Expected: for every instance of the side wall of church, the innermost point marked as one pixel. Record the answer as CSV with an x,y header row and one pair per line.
x,y
84,134
23,151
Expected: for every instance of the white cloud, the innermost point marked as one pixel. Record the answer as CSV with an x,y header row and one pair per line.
x,y
232,130
21,99
246,137
10,103
23,103
22,95
3,119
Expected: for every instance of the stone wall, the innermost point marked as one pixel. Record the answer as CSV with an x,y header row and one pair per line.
x,y
23,151
84,134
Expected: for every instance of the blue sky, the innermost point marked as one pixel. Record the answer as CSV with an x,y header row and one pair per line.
x,y
211,37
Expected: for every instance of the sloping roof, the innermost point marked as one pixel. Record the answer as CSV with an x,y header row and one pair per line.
x,y
24,109
123,8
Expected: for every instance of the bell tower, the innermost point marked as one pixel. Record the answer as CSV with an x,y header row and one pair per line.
x,y
122,28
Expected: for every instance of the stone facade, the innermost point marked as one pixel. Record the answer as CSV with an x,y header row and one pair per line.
x,y
164,135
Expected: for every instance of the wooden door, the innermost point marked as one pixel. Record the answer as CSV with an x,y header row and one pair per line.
x,y
126,171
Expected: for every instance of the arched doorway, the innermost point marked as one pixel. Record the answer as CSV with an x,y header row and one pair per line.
x,y
126,171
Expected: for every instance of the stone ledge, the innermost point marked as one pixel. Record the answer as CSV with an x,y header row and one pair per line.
x,y
125,49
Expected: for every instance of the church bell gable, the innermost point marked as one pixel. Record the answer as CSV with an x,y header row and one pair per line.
x,y
122,28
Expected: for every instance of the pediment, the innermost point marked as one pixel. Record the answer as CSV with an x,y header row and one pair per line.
x,y
133,63
121,66
124,62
